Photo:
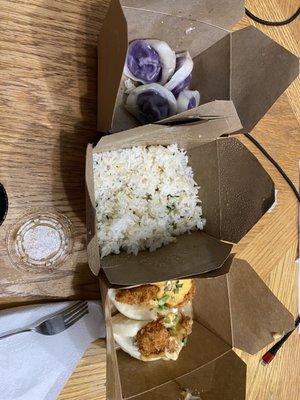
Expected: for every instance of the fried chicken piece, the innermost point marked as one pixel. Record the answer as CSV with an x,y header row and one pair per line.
x,y
189,296
138,295
186,325
153,338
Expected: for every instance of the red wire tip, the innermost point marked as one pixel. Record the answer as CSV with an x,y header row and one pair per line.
x,y
267,358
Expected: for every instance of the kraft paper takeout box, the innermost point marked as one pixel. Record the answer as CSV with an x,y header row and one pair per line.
x,y
234,188
232,308
245,66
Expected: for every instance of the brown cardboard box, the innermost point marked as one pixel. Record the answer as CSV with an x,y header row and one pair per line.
x,y
222,167
232,308
244,66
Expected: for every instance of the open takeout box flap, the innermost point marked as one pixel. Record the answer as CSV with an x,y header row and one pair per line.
x,y
191,254
121,26
246,312
223,13
246,191
223,169
112,50
206,362
256,313
215,119
261,70
252,71
223,110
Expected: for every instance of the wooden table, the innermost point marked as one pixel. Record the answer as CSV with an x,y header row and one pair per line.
x,y
48,115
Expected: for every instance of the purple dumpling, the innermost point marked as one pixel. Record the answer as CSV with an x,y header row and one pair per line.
x,y
143,61
187,99
183,74
151,103
182,85
152,107
150,61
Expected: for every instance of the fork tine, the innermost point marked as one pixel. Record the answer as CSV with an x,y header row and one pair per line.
x,y
77,318
70,311
83,307
65,311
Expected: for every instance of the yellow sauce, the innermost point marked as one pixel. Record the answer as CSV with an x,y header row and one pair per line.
x,y
174,290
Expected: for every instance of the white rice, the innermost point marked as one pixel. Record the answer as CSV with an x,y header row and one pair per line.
x,y
145,196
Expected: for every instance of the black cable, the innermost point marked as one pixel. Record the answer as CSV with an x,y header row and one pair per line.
x,y
269,355
275,163
272,23
3,203
251,138
267,358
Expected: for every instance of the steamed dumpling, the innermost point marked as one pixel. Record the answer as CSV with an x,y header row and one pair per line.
x,y
126,327
162,338
125,331
151,103
187,100
149,61
134,310
183,74
145,302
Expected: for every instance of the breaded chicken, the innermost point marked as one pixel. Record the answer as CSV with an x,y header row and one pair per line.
x,y
145,294
138,295
189,296
155,338
185,327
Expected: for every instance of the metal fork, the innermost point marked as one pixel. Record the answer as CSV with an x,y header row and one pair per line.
x,y
56,323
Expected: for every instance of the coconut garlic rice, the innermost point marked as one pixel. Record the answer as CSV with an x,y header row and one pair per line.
x,y
145,197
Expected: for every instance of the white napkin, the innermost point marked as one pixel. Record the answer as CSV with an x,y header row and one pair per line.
x,y
36,367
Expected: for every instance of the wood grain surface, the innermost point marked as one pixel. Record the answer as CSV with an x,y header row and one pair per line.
x,y
48,115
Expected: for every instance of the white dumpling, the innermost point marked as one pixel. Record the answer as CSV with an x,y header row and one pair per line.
x,y
133,311
125,331
126,327
183,74
187,100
